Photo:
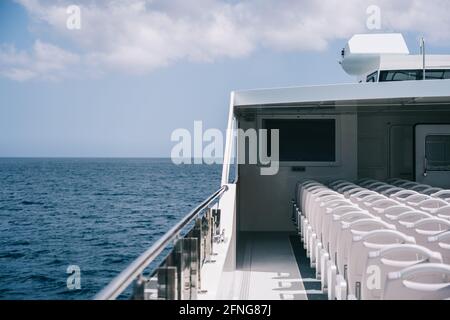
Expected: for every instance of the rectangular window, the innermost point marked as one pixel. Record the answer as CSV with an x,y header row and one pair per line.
x,y
437,152
437,74
400,75
373,77
405,75
304,140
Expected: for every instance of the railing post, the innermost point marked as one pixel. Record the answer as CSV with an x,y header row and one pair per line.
x,y
207,235
197,234
167,283
191,267
216,225
139,288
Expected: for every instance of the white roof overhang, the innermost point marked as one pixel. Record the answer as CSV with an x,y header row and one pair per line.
x,y
429,92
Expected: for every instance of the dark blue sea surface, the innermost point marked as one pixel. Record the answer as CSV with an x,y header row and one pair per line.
x,y
98,214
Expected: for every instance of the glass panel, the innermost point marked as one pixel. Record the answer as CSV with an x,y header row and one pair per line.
x,y
403,75
437,151
373,77
434,74
447,74
400,75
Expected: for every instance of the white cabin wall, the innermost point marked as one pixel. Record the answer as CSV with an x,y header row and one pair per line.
x,y
385,142
264,201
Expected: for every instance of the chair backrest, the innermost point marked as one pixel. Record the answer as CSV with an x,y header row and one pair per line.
x,y
349,229
388,259
420,187
431,205
324,207
442,194
405,220
441,244
414,199
394,211
430,191
313,195
424,228
402,194
395,180
367,201
408,184
375,184
424,281
349,192
335,228
327,220
347,187
340,185
382,188
443,212
388,192
305,191
359,196
366,182
317,203
379,206
360,248
336,182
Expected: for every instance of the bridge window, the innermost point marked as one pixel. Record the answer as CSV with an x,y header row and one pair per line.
x,y
405,75
400,75
373,77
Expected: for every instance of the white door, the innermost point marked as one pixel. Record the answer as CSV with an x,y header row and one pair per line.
x,y
433,155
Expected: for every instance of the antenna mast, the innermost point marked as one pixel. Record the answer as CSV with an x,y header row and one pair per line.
x,y
422,51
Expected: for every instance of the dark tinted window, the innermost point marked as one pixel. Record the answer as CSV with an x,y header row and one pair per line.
x,y
400,75
437,74
404,75
373,77
437,150
312,140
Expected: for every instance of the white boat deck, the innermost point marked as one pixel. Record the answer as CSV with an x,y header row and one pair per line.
x,y
268,269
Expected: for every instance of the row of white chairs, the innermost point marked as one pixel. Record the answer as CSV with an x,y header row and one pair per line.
x,y
376,240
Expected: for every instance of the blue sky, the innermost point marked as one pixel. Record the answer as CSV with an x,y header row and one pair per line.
x,y
119,86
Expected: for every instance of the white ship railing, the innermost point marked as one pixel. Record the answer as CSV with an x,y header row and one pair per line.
x,y
137,267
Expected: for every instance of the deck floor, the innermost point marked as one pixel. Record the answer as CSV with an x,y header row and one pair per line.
x,y
272,266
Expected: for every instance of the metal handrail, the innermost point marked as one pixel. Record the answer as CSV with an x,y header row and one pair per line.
x,y
126,277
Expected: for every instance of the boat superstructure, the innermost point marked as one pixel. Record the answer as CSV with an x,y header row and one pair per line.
x,y
357,207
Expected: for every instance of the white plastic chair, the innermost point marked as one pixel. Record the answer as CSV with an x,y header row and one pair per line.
x,y
420,187
414,199
392,212
401,195
442,194
359,250
431,190
441,244
388,259
390,191
424,228
379,206
408,184
365,182
425,281
431,205
405,220
443,212
330,266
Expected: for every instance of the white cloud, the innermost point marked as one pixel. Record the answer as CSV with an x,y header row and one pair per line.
x,y
141,35
45,61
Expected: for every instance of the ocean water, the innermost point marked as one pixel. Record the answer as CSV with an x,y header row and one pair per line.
x,y
98,214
